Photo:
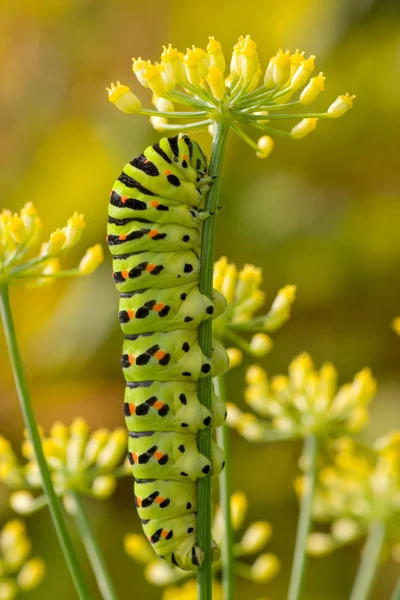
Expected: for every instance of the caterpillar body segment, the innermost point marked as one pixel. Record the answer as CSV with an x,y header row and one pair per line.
x,y
155,215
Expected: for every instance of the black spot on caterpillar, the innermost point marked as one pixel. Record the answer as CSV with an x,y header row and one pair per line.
x,y
154,236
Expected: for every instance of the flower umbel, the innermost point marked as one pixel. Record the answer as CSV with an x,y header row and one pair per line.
x,y
79,461
245,298
303,402
19,238
18,572
358,486
245,97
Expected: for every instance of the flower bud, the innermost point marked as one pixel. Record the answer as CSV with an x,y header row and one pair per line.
x,y
260,344
303,128
22,502
313,89
173,64
191,61
104,486
319,544
158,123
295,59
56,242
17,229
345,530
123,98
215,53
303,73
281,69
239,505
341,105
249,61
138,67
31,574
92,259
265,146
138,548
215,80
269,82
229,283
256,536
236,57
96,442
8,589
159,573
156,82
219,272
113,451
265,568
396,325
235,357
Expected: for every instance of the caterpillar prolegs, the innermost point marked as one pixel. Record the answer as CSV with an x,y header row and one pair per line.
x,y
155,217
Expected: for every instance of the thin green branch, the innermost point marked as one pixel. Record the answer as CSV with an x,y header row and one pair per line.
x,y
225,490
172,115
31,426
96,559
370,562
187,127
304,524
204,512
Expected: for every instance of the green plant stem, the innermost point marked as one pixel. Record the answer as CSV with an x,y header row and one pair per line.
x,y
396,591
31,426
304,524
370,562
204,511
225,490
96,559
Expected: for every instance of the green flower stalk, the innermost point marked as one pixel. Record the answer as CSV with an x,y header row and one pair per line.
x,y
243,98
18,571
21,263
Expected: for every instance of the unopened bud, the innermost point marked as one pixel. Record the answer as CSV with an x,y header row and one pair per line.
x,y
239,505
313,89
235,357
103,486
304,128
22,502
158,123
340,106
260,344
137,547
281,70
215,53
319,544
92,259
173,64
256,536
31,574
265,146
123,98
215,80
265,567
303,73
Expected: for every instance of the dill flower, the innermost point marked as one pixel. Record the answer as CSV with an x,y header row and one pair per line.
x,y
304,401
79,460
357,486
242,290
252,542
18,572
246,96
20,261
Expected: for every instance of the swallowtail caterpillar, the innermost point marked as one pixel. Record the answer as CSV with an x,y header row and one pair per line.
x,y
154,225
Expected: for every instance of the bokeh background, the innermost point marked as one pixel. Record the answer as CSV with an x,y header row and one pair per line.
x,y
323,213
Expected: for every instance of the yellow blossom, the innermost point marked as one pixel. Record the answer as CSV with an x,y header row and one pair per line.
x,y
265,146
123,98
341,105
313,89
305,127
93,258
281,68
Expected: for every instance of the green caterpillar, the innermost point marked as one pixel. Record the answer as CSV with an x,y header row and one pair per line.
x,y
155,217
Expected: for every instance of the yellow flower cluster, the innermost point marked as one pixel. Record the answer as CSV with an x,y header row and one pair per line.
x,y
20,236
248,95
358,487
304,401
253,541
245,298
80,461
18,572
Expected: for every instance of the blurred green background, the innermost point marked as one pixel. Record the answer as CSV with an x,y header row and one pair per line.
x,y
323,213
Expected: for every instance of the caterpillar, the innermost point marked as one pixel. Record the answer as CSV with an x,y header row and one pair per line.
x,y
155,216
